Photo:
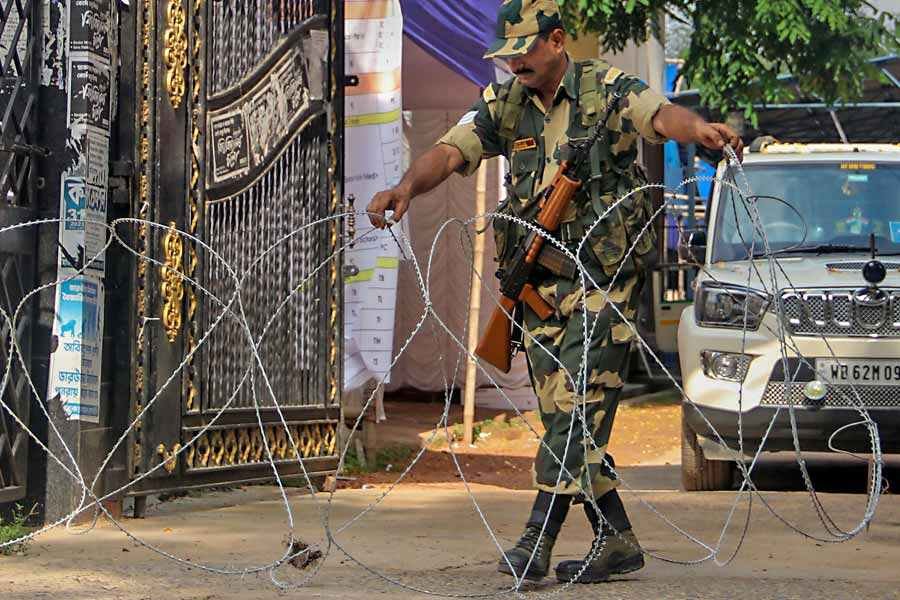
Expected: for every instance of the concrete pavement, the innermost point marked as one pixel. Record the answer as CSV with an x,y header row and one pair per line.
x,y
429,537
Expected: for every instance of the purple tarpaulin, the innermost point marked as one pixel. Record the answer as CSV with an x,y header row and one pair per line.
x,y
456,32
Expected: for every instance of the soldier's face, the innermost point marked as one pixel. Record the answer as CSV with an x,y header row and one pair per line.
x,y
536,68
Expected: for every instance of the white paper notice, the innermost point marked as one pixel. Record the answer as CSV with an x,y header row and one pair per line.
x,y
373,162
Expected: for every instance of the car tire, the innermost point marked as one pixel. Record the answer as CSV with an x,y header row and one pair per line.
x,y
698,473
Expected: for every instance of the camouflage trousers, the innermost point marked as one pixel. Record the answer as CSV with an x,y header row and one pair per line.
x,y
561,338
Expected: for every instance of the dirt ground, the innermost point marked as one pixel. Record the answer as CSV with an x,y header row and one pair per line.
x,y
434,536
428,538
646,432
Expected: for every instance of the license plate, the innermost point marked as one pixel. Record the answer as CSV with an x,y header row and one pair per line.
x,y
859,371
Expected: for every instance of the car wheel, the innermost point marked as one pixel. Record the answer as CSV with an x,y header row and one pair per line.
x,y
698,473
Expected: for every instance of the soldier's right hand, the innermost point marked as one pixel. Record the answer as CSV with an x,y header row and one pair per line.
x,y
393,199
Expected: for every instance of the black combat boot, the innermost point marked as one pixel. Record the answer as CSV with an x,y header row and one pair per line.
x,y
518,557
619,552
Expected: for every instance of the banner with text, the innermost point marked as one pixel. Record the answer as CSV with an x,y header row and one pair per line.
x,y
373,162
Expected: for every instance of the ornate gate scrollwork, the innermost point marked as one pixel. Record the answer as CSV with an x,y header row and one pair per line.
x,y
238,113
172,290
175,51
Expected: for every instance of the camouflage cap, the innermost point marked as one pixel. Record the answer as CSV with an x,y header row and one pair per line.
x,y
519,23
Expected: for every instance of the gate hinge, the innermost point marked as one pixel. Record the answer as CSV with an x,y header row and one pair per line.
x,y
121,168
351,80
121,172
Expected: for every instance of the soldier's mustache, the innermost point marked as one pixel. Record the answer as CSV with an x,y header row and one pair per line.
x,y
523,71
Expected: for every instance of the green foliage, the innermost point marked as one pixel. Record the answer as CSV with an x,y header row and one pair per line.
x,y
617,21
14,528
458,432
739,48
483,429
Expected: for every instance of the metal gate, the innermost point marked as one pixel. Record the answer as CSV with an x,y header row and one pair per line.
x,y
18,109
238,118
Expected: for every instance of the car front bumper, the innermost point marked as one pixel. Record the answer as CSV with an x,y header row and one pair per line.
x,y
814,428
765,395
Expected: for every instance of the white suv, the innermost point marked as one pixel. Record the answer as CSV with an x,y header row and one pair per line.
x,y
822,207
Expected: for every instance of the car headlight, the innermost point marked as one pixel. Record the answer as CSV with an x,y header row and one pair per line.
x,y
720,305
727,366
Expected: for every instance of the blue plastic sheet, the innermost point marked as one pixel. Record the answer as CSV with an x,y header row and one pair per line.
x,y
456,32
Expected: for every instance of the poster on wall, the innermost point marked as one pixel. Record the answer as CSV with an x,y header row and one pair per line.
x,y
90,23
89,93
82,234
82,51
78,331
374,157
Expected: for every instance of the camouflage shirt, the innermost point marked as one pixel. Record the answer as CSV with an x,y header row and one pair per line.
x,y
477,137
510,120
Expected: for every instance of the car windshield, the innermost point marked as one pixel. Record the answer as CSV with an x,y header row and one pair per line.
x,y
811,208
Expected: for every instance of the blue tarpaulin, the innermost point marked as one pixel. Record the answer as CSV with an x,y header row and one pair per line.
x,y
456,33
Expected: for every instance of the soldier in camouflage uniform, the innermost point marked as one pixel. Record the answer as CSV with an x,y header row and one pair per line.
x,y
530,119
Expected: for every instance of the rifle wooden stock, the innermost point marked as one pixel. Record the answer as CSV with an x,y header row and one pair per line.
x,y
494,346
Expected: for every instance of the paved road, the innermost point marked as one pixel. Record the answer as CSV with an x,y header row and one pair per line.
x,y
430,537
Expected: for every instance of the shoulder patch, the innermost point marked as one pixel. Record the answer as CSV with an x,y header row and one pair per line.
x,y
612,75
468,118
489,95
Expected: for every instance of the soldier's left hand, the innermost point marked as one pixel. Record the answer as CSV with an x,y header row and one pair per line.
x,y
715,135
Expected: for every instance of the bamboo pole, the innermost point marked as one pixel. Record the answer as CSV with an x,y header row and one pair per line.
x,y
475,304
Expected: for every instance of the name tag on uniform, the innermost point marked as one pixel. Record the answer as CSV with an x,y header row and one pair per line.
x,y
524,144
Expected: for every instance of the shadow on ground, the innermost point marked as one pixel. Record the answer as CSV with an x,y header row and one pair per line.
x,y
829,473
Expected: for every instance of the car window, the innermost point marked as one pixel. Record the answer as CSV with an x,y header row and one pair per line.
x,y
810,204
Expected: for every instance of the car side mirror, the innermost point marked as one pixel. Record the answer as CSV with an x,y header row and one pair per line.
x,y
697,246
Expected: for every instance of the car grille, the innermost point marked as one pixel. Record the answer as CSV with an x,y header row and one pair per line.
x,y
857,266
837,312
838,396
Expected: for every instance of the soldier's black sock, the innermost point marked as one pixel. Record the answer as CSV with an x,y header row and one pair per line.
x,y
556,506
610,504
592,516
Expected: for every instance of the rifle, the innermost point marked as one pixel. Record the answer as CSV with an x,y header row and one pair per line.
x,y
515,287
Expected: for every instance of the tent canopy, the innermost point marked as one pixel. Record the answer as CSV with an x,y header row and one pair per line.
x,y
456,33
